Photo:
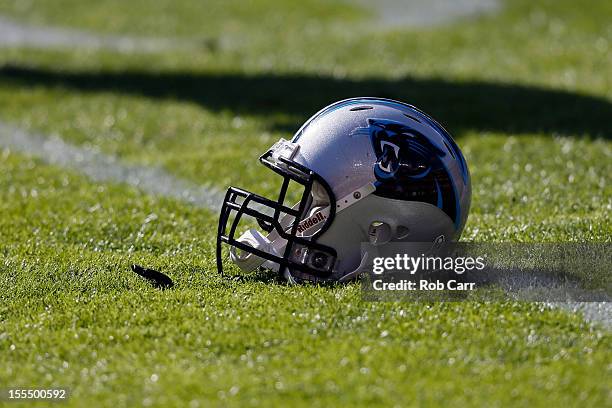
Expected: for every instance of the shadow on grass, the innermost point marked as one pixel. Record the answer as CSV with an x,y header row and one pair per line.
x,y
287,100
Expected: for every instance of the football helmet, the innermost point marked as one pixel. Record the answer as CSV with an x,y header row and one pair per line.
x,y
372,170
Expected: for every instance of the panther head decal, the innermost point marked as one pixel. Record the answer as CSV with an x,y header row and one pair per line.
x,y
409,166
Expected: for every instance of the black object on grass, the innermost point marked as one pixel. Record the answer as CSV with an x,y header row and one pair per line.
x,y
155,278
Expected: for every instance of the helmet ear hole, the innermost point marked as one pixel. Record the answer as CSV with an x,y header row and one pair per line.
x,y
379,233
402,232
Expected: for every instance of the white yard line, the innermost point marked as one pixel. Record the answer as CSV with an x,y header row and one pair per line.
x,y
425,13
17,34
597,312
101,167
525,285
155,181
388,13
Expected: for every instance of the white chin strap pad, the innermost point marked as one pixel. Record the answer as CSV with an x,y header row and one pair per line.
x,y
246,261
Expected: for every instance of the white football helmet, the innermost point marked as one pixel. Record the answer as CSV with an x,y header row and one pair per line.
x,y
373,171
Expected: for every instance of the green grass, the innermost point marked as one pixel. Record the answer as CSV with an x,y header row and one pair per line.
x,y
526,93
74,315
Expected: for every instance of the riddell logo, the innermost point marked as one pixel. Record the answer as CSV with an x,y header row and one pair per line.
x,y
310,222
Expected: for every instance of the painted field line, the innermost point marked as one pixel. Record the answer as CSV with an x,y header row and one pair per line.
x,y
105,168
18,34
388,13
426,13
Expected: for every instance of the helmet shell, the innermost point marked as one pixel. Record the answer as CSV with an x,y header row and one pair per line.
x,y
422,181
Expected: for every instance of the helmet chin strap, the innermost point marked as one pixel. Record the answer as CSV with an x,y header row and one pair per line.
x,y
272,244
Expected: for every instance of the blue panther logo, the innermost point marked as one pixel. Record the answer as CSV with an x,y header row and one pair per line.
x,y
409,166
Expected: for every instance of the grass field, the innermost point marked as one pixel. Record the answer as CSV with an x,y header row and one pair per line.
x,y
526,92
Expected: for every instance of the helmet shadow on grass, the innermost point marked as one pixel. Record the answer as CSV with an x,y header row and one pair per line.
x,y
287,100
